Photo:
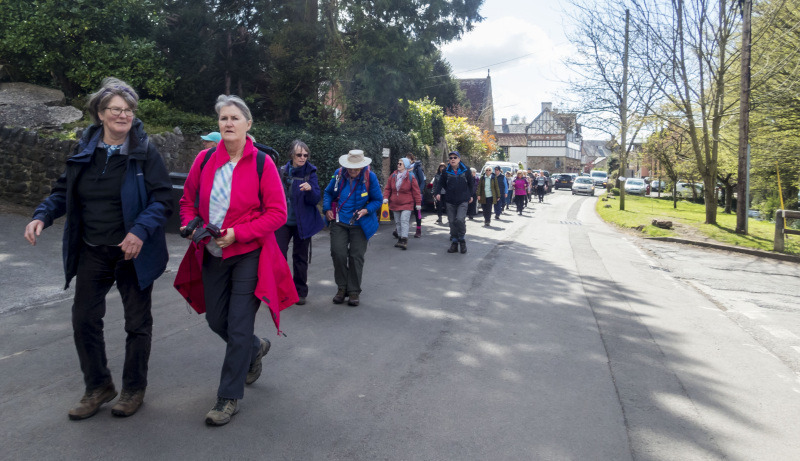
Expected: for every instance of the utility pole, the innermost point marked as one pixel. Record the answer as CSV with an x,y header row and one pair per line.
x,y
623,114
743,200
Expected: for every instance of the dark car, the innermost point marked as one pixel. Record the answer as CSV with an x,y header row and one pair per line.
x,y
562,181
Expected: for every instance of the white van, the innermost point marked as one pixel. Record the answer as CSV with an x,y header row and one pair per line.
x,y
504,166
600,178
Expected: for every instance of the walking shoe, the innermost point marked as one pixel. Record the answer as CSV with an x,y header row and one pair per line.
x,y
301,300
339,298
92,400
394,234
402,244
463,246
353,301
418,234
453,247
222,412
439,221
128,403
255,369
399,243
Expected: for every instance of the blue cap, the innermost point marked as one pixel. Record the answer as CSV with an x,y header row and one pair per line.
x,y
213,136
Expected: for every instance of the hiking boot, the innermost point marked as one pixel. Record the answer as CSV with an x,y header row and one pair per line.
x,y
339,298
92,400
453,247
463,246
418,234
128,403
353,301
394,234
301,300
402,244
255,369
399,243
222,412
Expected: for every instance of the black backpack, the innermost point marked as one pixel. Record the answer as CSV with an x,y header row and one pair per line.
x,y
263,151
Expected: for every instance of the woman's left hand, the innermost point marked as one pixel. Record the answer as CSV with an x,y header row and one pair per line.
x,y
227,238
131,246
305,187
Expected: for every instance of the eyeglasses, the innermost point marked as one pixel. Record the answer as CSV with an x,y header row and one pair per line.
x,y
301,155
116,111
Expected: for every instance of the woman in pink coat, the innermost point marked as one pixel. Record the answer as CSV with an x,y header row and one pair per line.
x,y
234,263
402,195
520,191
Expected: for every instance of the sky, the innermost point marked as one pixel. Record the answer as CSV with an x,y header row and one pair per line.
x,y
523,45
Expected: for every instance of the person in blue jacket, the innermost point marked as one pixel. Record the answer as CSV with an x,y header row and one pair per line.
x,y
357,197
117,195
303,220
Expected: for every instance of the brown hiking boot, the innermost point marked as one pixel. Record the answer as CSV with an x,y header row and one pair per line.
x,y
402,244
255,369
222,412
128,403
353,301
92,400
339,298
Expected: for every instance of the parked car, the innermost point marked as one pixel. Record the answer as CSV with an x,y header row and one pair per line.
x,y
505,166
658,186
684,189
600,178
583,185
562,181
635,186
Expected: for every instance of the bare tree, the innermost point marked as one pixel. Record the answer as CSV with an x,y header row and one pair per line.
x,y
614,91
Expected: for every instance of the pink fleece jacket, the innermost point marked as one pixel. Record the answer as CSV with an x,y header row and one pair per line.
x,y
257,210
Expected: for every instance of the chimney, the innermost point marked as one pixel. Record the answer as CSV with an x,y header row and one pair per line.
x,y
547,106
504,122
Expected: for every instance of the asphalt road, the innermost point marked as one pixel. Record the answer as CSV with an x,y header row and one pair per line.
x,y
555,337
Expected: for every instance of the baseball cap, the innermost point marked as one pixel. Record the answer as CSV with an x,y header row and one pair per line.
x,y
213,136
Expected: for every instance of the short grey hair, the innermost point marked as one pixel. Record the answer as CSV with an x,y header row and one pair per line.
x,y
298,143
110,87
225,101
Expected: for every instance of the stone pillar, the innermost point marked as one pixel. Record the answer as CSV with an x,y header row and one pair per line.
x,y
386,167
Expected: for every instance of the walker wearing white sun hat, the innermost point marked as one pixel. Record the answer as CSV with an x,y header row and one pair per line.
x,y
354,159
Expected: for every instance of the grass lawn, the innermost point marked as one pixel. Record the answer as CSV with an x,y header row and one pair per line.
x,y
640,211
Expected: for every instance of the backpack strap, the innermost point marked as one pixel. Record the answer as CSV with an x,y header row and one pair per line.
x,y
261,158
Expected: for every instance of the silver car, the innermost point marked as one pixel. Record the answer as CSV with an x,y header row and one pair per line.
x,y
635,186
583,185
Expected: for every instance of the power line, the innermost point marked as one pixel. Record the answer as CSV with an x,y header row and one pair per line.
x,y
484,67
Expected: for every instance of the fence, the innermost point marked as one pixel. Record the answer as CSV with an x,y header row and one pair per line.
x,y
780,227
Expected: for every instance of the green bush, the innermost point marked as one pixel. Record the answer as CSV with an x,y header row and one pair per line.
x,y
159,117
615,191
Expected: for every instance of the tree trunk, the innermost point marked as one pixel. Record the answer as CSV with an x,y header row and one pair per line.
x,y
744,120
623,114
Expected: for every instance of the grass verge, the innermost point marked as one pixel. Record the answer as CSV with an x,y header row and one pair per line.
x,y
641,211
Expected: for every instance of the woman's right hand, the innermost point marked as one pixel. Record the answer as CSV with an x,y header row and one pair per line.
x,y
33,230
329,215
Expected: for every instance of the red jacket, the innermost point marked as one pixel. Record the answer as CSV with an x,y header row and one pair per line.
x,y
408,195
256,211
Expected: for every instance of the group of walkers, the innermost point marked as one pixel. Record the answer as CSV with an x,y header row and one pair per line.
x,y
240,212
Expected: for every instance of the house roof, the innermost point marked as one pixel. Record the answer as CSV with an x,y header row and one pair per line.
x,y
511,128
595,148
511,139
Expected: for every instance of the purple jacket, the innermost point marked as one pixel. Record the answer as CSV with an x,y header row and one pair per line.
x,y
304,204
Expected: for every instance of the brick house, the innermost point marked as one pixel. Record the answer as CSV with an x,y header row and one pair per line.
x,y
478,91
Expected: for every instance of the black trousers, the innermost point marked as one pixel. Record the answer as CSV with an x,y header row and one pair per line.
x,y
486,208
519,199
440,207
231,307
300,256
98,268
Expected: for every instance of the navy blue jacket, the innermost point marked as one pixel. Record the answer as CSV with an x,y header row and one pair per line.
x,y
146,202
304,204
458,184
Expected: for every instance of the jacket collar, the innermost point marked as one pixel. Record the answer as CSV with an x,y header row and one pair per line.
x,y
135,144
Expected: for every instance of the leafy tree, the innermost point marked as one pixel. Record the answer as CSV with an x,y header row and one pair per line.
x,y
75,44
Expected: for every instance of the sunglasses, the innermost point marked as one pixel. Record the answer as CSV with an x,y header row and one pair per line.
x,y
453,158
301,155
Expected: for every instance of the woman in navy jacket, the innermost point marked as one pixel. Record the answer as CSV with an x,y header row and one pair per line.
x,y
116,194
300,183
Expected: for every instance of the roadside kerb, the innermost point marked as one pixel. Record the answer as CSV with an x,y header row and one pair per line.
x,y
749,251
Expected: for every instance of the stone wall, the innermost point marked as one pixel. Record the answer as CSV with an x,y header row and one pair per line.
x,y
566,165
29,164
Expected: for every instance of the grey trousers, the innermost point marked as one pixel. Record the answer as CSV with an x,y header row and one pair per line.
x,y
402,219
348,246
457,219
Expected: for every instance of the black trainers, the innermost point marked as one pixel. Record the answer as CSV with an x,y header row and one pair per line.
x,y
463,246
222,412
453,247
255,369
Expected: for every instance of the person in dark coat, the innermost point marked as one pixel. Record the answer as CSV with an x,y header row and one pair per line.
x,y
440,207
502,185
303,218
488,194
459,185
117,195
